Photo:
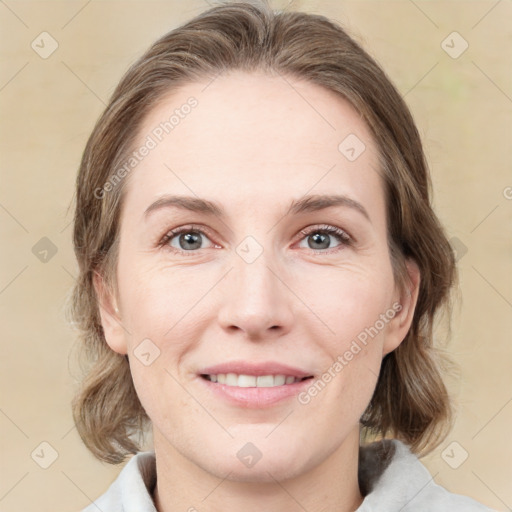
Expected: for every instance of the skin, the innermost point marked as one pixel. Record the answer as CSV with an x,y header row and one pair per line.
x,y
253,145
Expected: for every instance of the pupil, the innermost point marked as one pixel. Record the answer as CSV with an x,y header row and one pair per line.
x,y
319,238
191,238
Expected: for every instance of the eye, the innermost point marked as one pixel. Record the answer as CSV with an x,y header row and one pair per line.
x,y
318,238
186,239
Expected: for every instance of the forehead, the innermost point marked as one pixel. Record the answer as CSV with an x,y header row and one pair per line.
x,y
251,135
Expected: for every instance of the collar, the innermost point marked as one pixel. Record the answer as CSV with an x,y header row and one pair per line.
x,y
391,479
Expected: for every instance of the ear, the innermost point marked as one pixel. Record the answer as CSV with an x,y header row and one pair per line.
x,y
110,316
404,305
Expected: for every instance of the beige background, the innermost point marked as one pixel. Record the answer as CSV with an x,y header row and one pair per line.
x,y
463,107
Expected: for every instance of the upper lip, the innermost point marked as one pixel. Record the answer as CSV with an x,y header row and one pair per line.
x,y
256,369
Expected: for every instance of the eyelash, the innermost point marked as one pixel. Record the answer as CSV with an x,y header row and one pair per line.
x,y
343,237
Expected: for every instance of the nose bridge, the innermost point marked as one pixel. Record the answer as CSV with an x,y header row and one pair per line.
x,y
256,279
256,300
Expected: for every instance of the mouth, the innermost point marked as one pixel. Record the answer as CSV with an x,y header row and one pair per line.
x,y
253,381
248,384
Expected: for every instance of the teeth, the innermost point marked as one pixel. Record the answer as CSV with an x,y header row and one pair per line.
x,y
251,381
279,380
231,379
243,381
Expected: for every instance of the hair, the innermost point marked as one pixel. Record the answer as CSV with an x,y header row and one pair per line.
x,y
410,402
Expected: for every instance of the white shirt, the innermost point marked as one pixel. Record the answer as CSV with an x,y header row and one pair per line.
x,y
391,478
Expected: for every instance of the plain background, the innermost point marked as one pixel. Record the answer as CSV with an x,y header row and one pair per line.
x,y
463,108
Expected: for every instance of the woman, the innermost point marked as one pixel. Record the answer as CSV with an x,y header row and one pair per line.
x,y
260,269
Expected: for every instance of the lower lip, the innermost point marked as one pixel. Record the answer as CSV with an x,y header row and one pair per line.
x,y
256,397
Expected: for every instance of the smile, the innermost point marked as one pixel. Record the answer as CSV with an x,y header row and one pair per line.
x,y
253,381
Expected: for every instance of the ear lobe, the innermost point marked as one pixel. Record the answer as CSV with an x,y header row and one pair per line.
x,y
110,317
399,326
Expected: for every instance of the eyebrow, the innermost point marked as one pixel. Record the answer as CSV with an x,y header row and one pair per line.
x,y
305,204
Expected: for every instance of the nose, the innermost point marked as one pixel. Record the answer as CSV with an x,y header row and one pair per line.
x,y
257,300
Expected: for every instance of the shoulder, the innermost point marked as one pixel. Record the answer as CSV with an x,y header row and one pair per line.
x,y
132,489
390,475
401,482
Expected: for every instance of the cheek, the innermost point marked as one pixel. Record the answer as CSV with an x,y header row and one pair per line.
x,y
155,300
164,319
335,303
351,306
349,299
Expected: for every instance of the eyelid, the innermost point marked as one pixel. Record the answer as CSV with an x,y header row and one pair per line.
x,y
345,238
330,229
171,233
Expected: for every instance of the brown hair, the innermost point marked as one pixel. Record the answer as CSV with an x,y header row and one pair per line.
x,y
410,401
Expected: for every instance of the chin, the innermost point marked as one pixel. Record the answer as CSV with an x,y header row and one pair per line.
x,y
264,471
256,459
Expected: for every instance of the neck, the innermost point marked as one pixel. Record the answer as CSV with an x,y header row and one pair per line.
x,y
329,486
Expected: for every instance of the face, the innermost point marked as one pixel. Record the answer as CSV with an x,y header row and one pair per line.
x,y
266,273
